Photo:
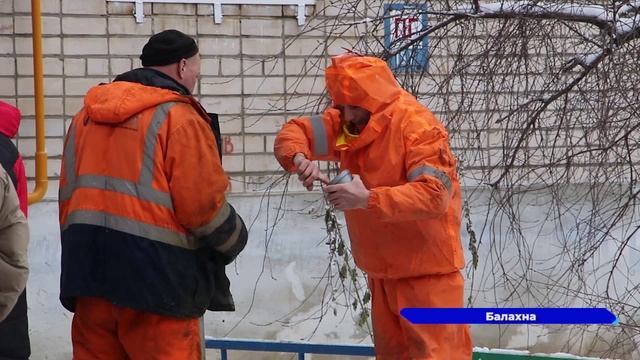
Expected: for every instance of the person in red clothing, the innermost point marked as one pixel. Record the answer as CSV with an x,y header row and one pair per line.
x,y
10,158
403,207
14,330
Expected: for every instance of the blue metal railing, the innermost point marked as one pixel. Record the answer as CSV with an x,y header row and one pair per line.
x,y
287,347
355,350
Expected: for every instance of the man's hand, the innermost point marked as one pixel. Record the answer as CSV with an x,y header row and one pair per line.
x,y
308,171
353,195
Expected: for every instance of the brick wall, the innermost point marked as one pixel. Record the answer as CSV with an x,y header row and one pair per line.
x,y
259,68
250,71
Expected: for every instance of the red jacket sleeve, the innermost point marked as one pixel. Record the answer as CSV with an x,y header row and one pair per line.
x,y
21,189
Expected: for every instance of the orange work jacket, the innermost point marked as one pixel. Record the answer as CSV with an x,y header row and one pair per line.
x,y
143,215
411,226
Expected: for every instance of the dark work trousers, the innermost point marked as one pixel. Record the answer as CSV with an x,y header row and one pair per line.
x,y
14,332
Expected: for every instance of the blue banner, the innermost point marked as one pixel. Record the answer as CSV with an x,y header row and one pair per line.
x,y
558,316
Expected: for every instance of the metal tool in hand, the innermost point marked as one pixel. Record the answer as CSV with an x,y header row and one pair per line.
x,y
343,178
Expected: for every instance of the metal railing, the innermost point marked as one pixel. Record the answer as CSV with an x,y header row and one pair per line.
x,y
302,348
299,348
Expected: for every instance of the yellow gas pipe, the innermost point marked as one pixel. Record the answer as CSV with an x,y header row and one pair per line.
x,y
41,154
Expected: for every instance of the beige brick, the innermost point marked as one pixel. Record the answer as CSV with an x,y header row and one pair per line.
x,y
295,66
52,86
97,66
292,10
260,10
127,25
204,9
269,142
52,106
50,25
221,86
186,24
261,46
316,65
229,26
210,67
219,46
222,104
263,162
84,25
8,87
261,27
263,85
50,46
24,6
304,47
230,124
254,144
236,185
53,170
119,66
28,148
230,66
233,163
263,124
54,146
252,67
79,86
273,66
7,66
85,46
311,27
6,45
136,62
6,7
84,7
337,46
302,104
232,144
305,85
53,127
7,26
51,66
27,127
74,67
127,46
231,10
71,106
263,104
174,9
122,8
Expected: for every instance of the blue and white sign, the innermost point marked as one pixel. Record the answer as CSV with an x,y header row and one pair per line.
x,y
402,23
561,316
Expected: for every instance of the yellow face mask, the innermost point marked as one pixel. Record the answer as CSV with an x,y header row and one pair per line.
x,y
345,138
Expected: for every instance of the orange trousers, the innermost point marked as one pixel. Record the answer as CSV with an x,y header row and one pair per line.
x,y
395,338
103,331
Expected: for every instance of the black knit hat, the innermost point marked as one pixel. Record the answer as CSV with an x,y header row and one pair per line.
x,y
168,47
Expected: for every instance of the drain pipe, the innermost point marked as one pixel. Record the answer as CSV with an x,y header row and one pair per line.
x,y
41,154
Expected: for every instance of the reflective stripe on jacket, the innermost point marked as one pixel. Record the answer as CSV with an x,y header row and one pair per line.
x,y
412,224
143,215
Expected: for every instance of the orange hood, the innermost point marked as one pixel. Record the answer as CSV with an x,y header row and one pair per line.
x,y
361,81
118,101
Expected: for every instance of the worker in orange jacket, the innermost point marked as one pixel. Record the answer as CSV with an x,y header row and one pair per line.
x,y
402,208
146,229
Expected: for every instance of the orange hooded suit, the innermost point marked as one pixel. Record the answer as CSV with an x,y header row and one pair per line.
x,y
408,237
